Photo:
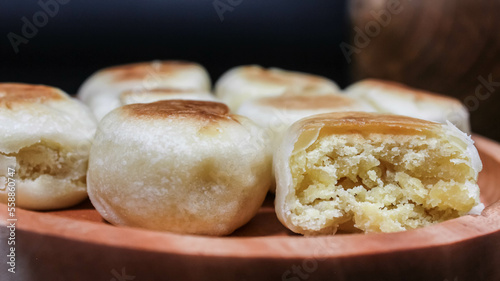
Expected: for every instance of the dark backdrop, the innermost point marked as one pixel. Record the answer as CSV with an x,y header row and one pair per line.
x,y
77,37
84,36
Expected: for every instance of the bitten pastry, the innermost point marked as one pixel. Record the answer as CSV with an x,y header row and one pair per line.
x,y
374,172
395,98
46,138
244,83
180,166
131,96
101,92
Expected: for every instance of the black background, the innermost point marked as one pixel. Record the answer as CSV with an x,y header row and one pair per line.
x,y
85,36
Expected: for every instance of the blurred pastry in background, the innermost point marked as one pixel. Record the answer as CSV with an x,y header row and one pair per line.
x,y
395,98
101,91
244,83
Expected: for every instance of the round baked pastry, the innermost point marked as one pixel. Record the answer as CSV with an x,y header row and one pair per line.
x,y
395,98
45,141
243,83
101,91
180,166
374,173
131,96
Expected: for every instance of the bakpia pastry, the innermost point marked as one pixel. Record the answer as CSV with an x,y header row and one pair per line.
x,y
395,98
46,137
243,83
101,91
180,166
375,172
131,96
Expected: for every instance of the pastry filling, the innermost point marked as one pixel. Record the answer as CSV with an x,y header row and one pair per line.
x,y
49,159
380,183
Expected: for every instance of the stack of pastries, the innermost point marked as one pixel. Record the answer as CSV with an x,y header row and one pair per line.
x,y
153,147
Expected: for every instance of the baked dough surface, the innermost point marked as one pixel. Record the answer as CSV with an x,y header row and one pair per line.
x,y
181,166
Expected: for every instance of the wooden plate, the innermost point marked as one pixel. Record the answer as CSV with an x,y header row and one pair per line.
x,y
76,244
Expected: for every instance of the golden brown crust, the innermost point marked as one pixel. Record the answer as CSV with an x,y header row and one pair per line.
x,y
308,102
419,95
365,123
137,71
260,74
204,110
17,93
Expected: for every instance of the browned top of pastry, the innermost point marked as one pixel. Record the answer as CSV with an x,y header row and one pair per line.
x,y
17,93
203,110
365,123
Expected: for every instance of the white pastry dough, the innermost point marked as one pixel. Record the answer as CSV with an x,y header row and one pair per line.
x,y
180,166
